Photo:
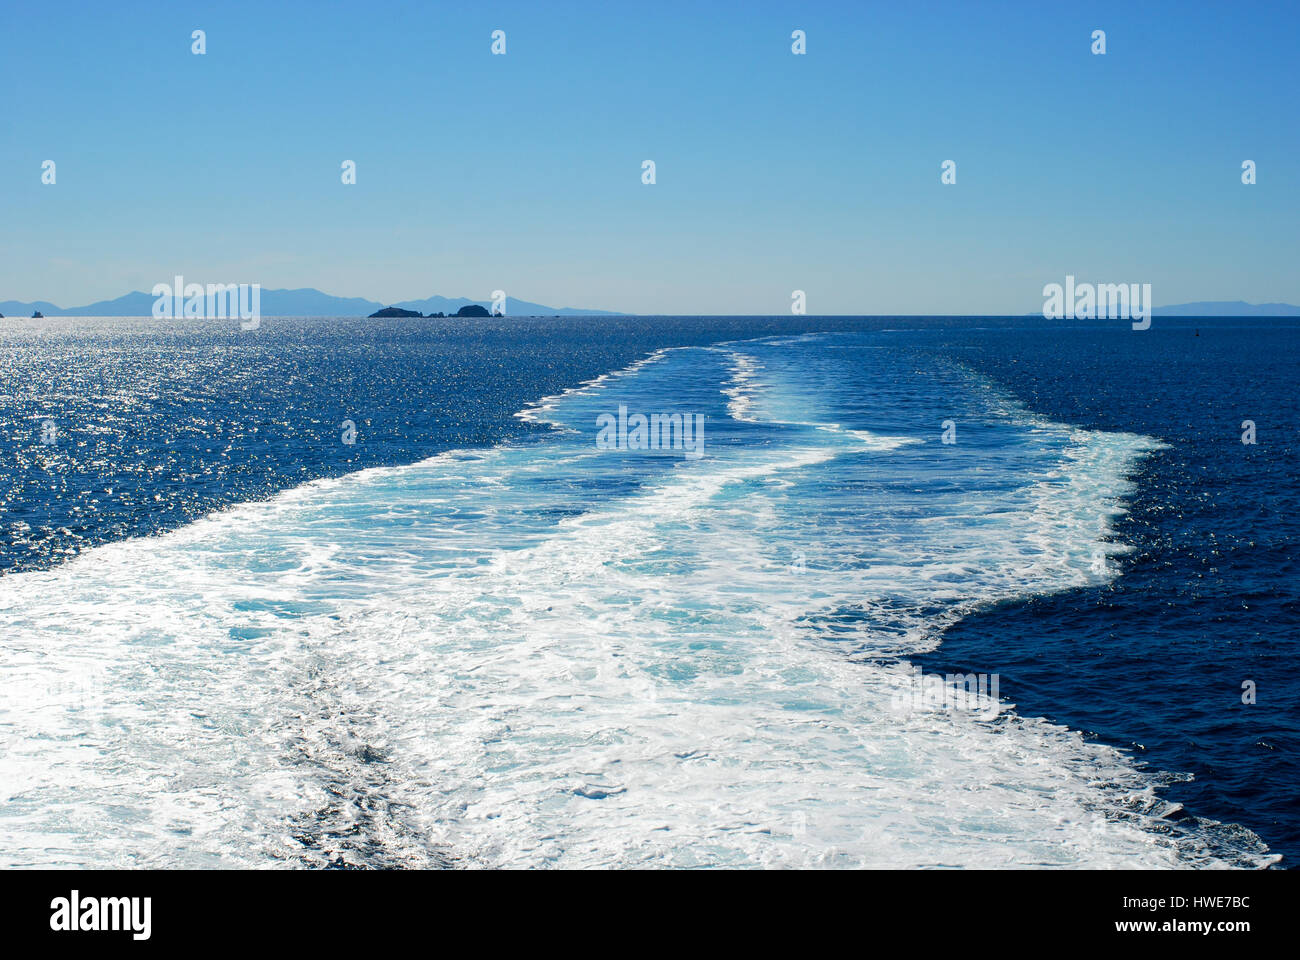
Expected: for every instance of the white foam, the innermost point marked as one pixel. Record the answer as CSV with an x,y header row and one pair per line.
x,y
538,412
392,668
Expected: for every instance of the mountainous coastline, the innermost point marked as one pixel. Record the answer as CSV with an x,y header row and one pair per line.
x,y
305,302
309,302
1228,308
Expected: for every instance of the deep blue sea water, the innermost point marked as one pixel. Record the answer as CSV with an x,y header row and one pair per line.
x,y
473,637
1155,659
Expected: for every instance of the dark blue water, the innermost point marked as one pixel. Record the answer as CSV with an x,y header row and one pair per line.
x,y
156,425
1156,660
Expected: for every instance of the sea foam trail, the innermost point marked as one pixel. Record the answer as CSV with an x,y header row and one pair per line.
x,y
541,654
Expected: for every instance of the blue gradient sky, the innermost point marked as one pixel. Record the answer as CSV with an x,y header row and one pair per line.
x,y
775,172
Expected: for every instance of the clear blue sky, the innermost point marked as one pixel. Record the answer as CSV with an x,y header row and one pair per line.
x,y
775,172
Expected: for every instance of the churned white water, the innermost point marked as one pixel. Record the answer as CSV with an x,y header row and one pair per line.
x,y
543,654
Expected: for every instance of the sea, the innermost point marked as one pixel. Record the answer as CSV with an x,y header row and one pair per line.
x,y
343,593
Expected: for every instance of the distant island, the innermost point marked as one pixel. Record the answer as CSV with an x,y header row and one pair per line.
x,y
469,310
1227,308
305,302
1218,309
